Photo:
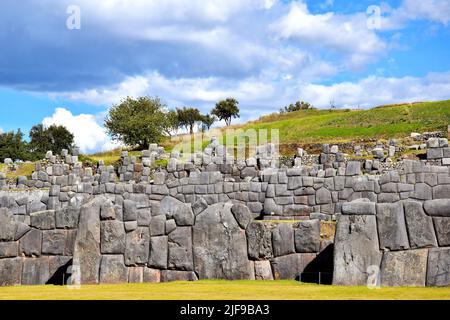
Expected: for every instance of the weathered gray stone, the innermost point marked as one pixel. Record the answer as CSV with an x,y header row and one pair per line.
x,y
129,210
259,239
137,247
391,226
10,271
353,168
438,207
7,225
158,225
220,246
112,237
67,218
442,226
356,249
170,226
422,192
159,252
441,192
174,275
242,215
283,240
307,236
9,249
263,270
130,226
35,271
53,242
323,196
86,255
181,212
44,220
199,206
113,270
180,249
152,275
420,226
438,273
291,266
135,274
359,207
404,268
30,243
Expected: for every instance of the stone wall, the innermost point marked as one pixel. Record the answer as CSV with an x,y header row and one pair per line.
x,y
197,220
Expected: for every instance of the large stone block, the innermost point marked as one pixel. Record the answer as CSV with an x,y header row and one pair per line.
x,y
7,225
290,266
441,192
438,207
442,227
53,242
263,270
356,249
220,246
112,237
175,275
67,218
391,226
86,255
359,206
180,249
129,210
30,243
404,268
158,225
181,212
8,249
136,274
420,226
259,239
438,273
10,271
113,270
283,240
44,220
35,271
307,236
323,196
242,215
152,275
137,246
159,248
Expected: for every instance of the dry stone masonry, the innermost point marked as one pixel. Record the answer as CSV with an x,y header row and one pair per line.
x,y
213,218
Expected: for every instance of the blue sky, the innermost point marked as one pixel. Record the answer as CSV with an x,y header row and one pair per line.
x,y
266,53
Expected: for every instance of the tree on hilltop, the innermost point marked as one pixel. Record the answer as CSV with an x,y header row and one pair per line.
x,y
188,117
138,121
54,138
226,110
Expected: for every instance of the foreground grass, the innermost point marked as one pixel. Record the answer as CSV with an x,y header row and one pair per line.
x,y
219,290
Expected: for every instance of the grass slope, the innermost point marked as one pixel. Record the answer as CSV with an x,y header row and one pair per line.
x,y
219,290
315,126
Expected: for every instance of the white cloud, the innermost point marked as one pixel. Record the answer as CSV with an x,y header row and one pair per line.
x,y
269,92
373,91
433,10
346,34
90,136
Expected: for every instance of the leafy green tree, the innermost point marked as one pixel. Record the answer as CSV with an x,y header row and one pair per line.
x,y
172,123
299,105
54,138
207,121
13,146
138,121
226,109
188,117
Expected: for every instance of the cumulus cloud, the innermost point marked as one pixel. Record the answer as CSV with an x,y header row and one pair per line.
x,y
90,136
373,91
347,34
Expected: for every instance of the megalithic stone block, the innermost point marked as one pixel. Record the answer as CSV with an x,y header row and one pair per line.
x,y
356,249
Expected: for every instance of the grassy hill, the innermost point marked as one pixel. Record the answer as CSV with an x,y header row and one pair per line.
x,y
315,126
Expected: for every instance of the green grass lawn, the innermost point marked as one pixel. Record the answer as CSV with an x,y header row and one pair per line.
x,y
219,290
